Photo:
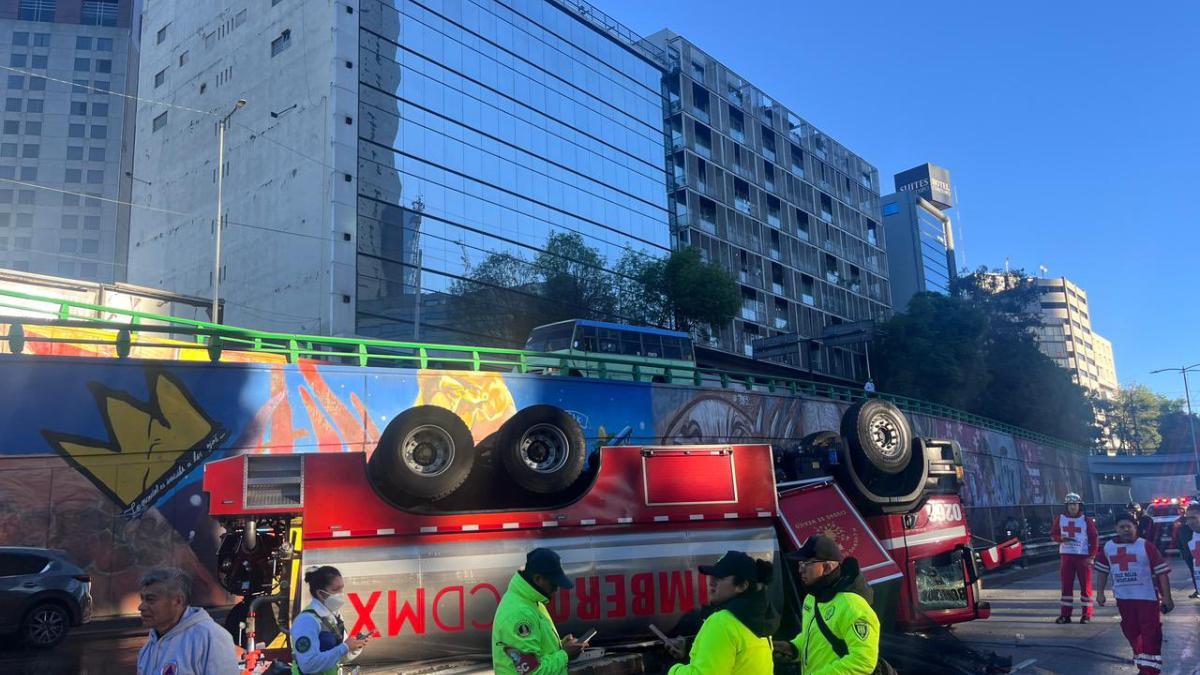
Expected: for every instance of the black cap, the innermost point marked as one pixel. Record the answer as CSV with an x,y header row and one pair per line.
x,y
732,564
545,562
818,547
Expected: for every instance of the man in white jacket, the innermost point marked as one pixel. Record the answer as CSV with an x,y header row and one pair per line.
x,y
183,640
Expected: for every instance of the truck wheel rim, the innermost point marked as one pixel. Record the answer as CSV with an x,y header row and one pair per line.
x,y
544,448
886,435
46,626
427,451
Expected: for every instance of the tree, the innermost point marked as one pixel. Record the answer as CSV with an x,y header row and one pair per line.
x,y
1134,420
697,292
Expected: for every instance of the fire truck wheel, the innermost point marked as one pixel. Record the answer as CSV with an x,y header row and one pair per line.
x,y
542,449
425,453
879,432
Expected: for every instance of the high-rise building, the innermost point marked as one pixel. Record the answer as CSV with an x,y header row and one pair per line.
x,y
791,213
67,136
394,157
1066,336
920,237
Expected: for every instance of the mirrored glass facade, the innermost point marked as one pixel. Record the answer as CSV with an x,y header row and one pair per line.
x,y
503,147
920,240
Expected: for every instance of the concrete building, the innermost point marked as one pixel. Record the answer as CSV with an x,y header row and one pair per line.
x,y
920,235
388,152
1066,336
67,139
790,212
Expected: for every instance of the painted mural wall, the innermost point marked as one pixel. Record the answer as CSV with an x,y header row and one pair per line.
x,y
103,458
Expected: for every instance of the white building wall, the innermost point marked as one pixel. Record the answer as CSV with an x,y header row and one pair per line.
x,y
285,196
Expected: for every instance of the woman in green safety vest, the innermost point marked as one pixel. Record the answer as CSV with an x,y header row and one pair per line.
x,y
319,642
735,639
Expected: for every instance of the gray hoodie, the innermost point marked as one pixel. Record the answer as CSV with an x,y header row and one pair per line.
x,y
195,646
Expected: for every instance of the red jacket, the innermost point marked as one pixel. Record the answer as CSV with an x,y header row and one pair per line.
x,y
1093,536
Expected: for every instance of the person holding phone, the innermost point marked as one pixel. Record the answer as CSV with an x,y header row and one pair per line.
x,y
524,638
735,639
319,642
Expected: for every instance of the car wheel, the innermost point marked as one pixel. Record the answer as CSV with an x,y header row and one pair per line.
x,y
542,449
426,453
45,625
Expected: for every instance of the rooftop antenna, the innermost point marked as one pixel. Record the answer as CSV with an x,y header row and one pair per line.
x,y
1042,269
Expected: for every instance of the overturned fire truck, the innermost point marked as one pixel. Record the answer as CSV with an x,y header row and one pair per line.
x,y
426,574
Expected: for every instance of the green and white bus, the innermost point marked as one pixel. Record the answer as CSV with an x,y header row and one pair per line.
x,y
637,352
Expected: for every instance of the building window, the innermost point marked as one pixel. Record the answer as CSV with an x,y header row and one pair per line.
x,y
41,39
99,110
20,39
12,105
80,87
101,87
95,154
75,130
183,58
91,222
70,222
802,226
12,127
769,176
773,212
74,176
79,107
8,149
38,61
29,173
37,84
89,246
872,234
99,131
162,36
700,102
281,43
160,121
35,105
103,65
74,152
797,160
741,195
698,70
68,245
104,44
16,60
16,81
95,177
160,77
768,144
36,10
737,125
31,151
25,197
100,12
83,42
88,270
703,141
891,209
33,128
826,208
83,65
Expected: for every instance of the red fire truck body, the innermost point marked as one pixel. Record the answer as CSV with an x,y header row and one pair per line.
x,y
429,582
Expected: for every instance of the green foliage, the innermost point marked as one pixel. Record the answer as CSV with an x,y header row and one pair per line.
x,y
696,291
975,351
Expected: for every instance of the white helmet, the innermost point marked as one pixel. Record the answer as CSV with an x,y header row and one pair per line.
x,y
1073,498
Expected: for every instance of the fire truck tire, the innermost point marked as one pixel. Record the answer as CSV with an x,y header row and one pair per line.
x,y
425,453
878,432
542,449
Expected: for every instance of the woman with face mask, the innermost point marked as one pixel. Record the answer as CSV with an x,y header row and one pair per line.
x,y
319,642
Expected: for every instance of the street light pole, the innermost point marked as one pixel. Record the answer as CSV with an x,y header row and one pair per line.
x,y
1187,397
219,222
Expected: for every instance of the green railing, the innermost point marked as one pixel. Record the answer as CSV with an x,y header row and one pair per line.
x,y
139,328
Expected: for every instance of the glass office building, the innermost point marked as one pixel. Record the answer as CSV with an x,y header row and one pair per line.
x,y
497,141
920,234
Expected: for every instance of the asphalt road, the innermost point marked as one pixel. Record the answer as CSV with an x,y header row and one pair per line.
x,y
1024,605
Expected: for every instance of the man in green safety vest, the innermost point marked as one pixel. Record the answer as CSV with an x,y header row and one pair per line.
x,y
524,639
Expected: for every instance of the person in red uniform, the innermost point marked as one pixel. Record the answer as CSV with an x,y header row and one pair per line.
x,y
1077,544
1139,575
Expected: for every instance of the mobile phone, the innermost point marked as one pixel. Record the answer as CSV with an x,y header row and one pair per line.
x,y
587,637
661,635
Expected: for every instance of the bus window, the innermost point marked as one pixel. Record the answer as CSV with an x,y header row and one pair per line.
x,y
609,341
585,339
631,344
652,345
550,338
672,348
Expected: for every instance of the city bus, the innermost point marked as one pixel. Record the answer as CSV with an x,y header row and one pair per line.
x,y
644,353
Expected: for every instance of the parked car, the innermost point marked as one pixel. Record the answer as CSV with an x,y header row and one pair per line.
x,y
42,594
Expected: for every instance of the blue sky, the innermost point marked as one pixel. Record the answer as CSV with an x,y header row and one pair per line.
x,y
1073,138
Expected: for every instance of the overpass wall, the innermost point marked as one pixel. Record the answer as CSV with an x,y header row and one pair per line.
x,y
103,458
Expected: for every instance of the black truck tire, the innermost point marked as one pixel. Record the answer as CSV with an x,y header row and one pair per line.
x,y
425,453
542,449
879,433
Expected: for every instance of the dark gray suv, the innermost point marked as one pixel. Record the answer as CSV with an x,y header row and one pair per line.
x,y
42,594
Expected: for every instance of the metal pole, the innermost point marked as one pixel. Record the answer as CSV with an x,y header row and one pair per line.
x,y
867,350
1191,427
220,189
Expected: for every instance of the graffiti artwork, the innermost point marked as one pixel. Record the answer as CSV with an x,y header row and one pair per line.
x,y
103,457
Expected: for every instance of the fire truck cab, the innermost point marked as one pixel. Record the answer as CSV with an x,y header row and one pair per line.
x,y
631,534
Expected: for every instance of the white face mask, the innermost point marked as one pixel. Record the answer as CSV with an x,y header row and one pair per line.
x,y
334,601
